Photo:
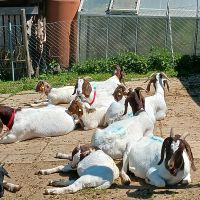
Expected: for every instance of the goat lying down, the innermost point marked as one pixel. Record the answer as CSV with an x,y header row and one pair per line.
x,y
116,110
67,94
88,117
95,168
55,96
160,162
4,184
30,123
99,94
155,105
114,138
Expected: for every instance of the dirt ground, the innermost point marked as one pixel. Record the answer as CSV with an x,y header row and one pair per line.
x,y
23,159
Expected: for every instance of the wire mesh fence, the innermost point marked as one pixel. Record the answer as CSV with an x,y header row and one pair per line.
x,y
57,45
104,36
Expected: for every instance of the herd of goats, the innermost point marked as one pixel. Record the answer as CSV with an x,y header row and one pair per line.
x,y
126,120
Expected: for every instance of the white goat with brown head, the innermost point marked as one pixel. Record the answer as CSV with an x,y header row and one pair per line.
x,y
89,118
95,168
54,95
155,105
99,93
27,123
114,139
160,162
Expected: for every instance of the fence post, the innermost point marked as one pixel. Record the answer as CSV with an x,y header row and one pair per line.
x,y
170,30
196,29
25,37
11,51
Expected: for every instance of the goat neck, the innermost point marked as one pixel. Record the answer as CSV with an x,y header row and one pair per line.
x,y
7,115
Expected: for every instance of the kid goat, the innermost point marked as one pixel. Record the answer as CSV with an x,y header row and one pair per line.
x,y
64,94
91,118
160,162
95,168
27,123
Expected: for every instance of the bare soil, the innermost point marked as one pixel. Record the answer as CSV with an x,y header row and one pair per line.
x,y
23,159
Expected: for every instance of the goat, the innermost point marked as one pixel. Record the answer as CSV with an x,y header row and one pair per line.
x,y
67,94
99,93
29,123
114,138
3,184
155,105
159,161
115,112
95,168
89,118
55,96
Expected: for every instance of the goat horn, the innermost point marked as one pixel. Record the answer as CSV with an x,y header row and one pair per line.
x,y
87,78
172,132
163,74
184,135
150,77
140,88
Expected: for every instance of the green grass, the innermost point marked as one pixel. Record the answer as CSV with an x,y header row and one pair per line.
x,y
67,78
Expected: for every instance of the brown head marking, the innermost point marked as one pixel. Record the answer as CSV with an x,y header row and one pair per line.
x,y
43,87
119,92
136,100
85,150
174,156
86,88
76,108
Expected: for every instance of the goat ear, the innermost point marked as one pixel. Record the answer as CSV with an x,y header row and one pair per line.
x,y
149,85
75,88
126,104
163,151
86,88
165,82
190,155
140,96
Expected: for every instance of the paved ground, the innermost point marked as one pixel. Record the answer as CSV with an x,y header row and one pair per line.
x,y
24,158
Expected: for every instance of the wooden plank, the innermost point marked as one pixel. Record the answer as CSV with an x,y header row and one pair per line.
x,y
17,10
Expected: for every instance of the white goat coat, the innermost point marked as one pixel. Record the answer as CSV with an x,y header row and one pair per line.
x,y
100,167
94,119
115,112
61,95
109,85
39,122
143,162
114,139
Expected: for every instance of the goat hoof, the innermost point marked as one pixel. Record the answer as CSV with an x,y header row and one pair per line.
x,y
38,172
185,182
46,192
16,189
50,183
128,182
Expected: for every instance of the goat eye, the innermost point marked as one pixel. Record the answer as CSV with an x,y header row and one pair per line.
x,y
79,110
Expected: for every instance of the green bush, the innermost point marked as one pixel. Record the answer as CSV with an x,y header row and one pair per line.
x,y
187,64
157,60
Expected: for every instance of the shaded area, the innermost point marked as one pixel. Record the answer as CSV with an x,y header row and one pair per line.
x,y
188,69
